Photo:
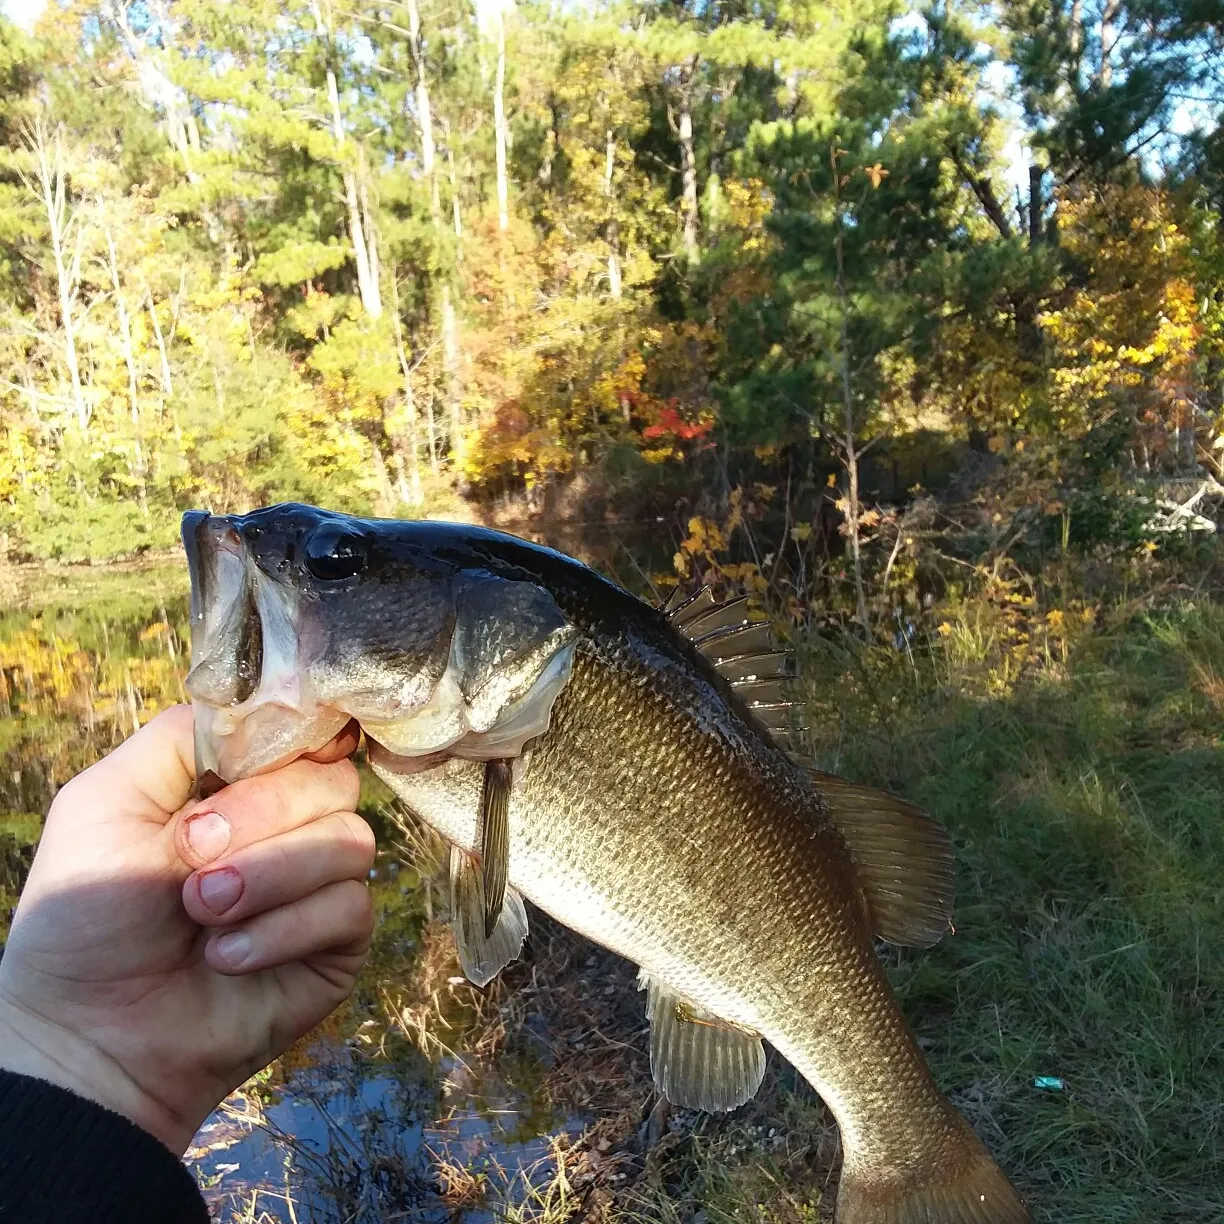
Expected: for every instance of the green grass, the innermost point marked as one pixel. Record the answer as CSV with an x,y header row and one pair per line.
x,y
1087,808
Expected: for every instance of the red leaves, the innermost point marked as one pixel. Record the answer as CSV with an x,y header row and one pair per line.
x,y
672,425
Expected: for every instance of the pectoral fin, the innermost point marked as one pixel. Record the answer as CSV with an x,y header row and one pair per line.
x,y
494,840
483,956
698,1060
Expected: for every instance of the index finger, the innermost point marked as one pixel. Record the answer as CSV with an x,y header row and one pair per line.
x,y
263,806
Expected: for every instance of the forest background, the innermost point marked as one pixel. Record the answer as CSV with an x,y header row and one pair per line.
x,y
721,257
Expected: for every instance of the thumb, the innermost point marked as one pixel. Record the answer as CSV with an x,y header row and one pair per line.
x,y
147,778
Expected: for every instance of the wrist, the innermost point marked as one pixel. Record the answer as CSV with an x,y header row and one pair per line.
x,y
34,1046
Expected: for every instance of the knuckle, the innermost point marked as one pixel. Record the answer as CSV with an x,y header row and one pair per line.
x,y
358,836
348,780
356,907
72,792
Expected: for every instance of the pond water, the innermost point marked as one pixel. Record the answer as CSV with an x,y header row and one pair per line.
x,y
417,1100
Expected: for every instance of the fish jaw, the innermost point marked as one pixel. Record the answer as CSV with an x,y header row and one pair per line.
x,y
261,739
429,656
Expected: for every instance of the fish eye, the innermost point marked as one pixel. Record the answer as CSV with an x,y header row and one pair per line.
x,y
332,554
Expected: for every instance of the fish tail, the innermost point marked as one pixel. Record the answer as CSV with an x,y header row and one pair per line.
x,y
977,1192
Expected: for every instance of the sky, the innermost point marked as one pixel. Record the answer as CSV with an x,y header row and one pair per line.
x,y
23,12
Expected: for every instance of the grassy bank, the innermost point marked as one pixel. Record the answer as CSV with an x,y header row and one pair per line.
x,y
1086,803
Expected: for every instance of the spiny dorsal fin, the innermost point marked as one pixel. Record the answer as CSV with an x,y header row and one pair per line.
x,y
742,651
902,858
698,1060
694,605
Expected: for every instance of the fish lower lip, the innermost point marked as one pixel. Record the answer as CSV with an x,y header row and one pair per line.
x,y
379,755
208,784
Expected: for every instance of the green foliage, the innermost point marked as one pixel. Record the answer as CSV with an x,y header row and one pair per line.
x,y
241,261
1083,802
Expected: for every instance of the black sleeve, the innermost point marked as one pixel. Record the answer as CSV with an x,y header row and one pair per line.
x,y
65,1159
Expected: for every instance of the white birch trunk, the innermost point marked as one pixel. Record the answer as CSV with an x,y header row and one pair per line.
x,y
614,267
499,127
51,190
166,381
688,165
367,285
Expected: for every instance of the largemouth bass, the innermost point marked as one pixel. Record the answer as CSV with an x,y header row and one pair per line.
x,y
612,763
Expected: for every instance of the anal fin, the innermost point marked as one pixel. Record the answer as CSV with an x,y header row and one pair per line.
x,y
698,1060
483,956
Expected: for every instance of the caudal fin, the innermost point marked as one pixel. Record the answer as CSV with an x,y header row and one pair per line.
x,y
977,1193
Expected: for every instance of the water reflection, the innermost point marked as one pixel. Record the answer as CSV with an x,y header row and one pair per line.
x,y
413,1102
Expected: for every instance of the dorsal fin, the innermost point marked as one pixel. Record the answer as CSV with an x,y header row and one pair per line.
x,y
742,651
902,858
692,605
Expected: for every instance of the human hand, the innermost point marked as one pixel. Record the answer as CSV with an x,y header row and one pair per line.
x,y
163,951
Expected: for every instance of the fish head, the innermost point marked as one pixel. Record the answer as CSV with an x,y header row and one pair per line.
x,y
303,619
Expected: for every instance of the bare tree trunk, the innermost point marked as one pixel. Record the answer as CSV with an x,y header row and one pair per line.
x,y
371,232
849,446
450,368
411,494
367,285
451,354
1035,206
140,467
424,118
456,219
614,267
125,329
166,381
52,193
688,162
499,126
449,323
386,492
683,128
424,113
1109,38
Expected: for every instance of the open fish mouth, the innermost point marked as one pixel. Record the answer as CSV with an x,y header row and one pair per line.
x,y
252,709
302,620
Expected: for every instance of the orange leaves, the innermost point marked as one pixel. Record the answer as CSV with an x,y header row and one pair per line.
x,y
876,174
